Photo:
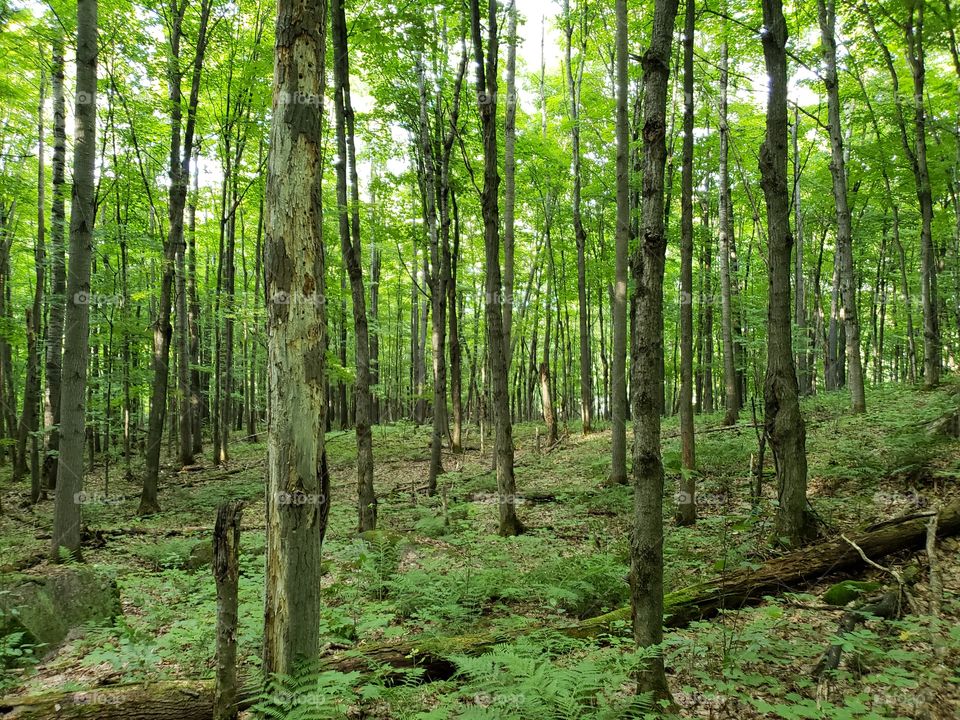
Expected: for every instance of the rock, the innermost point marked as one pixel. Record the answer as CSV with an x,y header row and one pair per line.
x,y
44,608
200,557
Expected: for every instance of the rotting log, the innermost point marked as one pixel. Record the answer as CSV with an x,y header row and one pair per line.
x,y
793,571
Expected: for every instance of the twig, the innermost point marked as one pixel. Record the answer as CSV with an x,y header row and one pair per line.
x,y
890,571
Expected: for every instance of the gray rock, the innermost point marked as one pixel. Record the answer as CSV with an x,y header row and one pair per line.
x,y
45,608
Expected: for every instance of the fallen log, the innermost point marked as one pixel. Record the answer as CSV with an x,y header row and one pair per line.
x,y
179,700
793,571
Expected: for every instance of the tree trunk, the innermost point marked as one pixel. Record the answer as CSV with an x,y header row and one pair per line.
x,y
782,418
686,505
509,179
486,82
799,304
298,483
184,389
66,512
618,378
646,371
30,418
196,397
573,90
826,12
58,278
349,225
226,572
179,177
456,361
731,399
928,261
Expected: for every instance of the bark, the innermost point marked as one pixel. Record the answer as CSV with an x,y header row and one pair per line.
x,y
196,396
486,85
799,305
184,389
349,225
543,374
298,483
66,513
226,572
9,409
573,90
731,394
30,417
646,372
434,277
456,361
707,366
918,172
928,261
58,278
618,378
686,506
181,148
509,179
832,376
826,12
783,421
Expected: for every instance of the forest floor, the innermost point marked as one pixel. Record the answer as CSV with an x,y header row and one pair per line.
x,y
440,570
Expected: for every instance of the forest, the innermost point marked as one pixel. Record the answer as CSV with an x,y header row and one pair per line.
x,y
484,359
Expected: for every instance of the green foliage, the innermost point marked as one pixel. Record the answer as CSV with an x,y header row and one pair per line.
x,y
519,681
315,696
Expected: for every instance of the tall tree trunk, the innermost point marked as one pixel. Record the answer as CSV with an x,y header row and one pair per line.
x,y
196,396
708,400
30,416
646,370
486,82
928,261
574,81
783,421
799,304
618,384
731,399
228,268
179,177
349,224
66,512
184,389
298,483
58,277
831,358
456,361
686,506
826,12
509,179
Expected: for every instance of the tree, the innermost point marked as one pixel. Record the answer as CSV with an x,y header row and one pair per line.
x,y
783,422
298,482
486,83
58,278
181,150
67,503
574,83
646,360
349,226
827,14
731,394
618,371
686,506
